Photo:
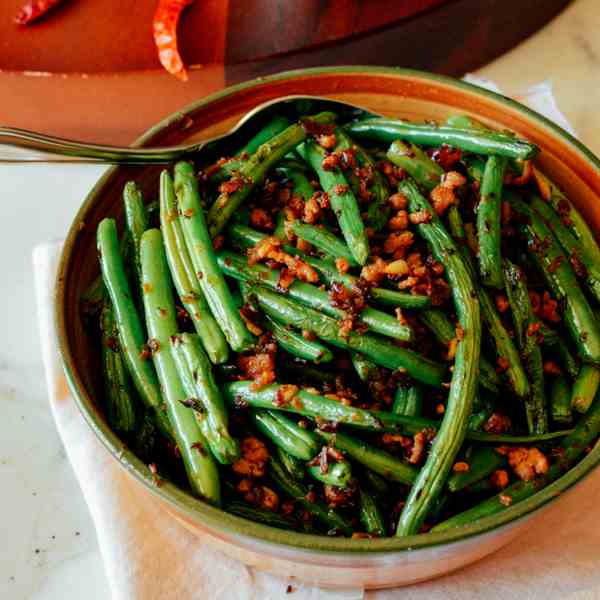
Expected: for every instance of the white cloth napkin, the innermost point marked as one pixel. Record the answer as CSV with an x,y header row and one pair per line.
x,y
138,540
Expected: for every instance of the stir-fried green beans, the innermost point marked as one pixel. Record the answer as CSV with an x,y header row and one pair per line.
x,y
352,339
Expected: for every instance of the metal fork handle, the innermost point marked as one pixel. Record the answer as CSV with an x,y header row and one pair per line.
x,y
22,146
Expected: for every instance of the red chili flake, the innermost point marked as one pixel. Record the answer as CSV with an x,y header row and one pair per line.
x,y
551,368
218,242
556,262
503,364
499,479
145,353
579,268
501,302
505,499
461,467
199,448
313,128
112,343
533,329
446,156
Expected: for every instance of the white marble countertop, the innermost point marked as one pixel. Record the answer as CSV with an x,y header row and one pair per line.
x,y
48,549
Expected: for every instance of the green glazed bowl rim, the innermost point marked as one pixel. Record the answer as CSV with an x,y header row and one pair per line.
x,y
219,521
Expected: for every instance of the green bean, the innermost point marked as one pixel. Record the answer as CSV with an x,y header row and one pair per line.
x,y
201,251
378,349
195,373
373,458
453,429
184,276
570,216
445,332
476,141
416,163
553,340
338,474
327,516
475,166
120,408
378,210
464,122
483,462
342,200
560,400
247,237
275,126
295,344
289,398
574,250
304,372
573,446
488,222
279,232
254,170
258,515
324,241
286,434
523,319
376,484
301,185
136,219
579,318
161,321
483,408
131,335
585,387
235,265
408,401
370,515
505,347
294,466
365,369
229,167
146,438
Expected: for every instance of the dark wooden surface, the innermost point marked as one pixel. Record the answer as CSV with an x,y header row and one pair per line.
x,y
105,36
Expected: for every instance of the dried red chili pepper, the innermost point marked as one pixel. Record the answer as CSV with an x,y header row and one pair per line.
x,y
164,26
34,9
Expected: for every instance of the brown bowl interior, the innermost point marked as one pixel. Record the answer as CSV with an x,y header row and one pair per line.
x,y
390,92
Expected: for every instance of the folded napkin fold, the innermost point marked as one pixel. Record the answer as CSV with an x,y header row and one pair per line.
x,y
139,541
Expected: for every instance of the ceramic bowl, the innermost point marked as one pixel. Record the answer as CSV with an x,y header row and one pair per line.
x,y
325,561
